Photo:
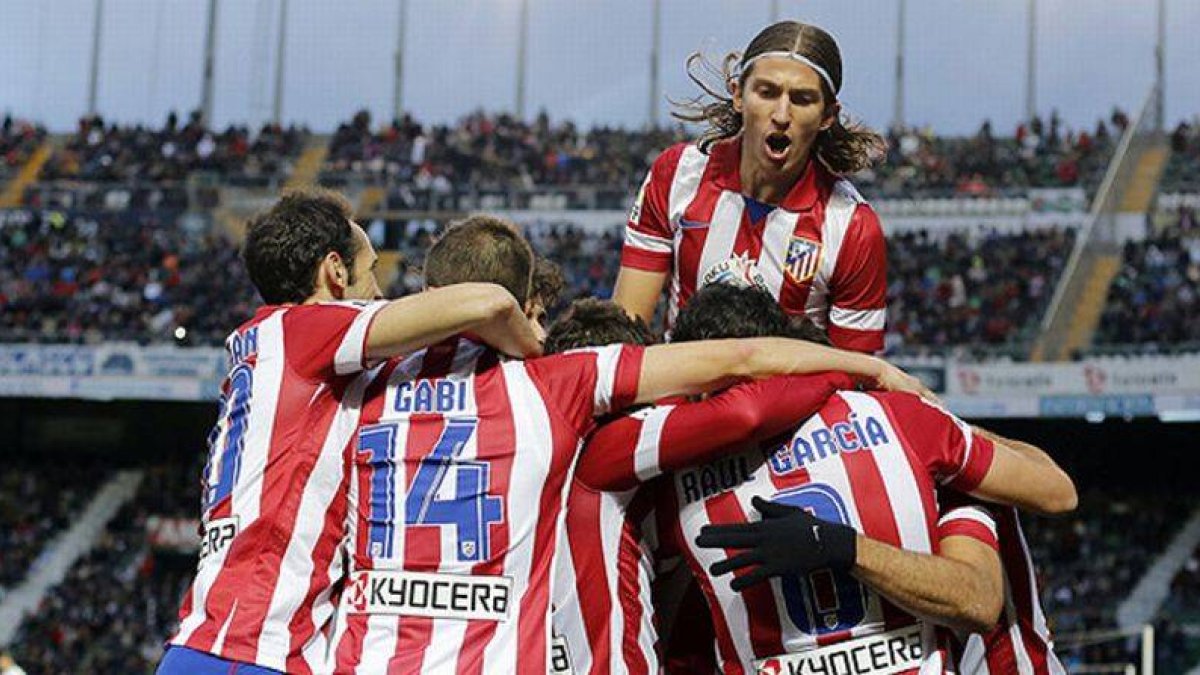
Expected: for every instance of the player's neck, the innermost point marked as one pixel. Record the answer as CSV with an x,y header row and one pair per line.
x,y
764,183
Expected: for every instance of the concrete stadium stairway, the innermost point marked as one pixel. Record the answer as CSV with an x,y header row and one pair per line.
x,y
1087,290
63,551
13,192
307,169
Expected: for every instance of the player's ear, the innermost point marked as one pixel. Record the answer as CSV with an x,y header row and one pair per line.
x,y
735,92
830,116
334,273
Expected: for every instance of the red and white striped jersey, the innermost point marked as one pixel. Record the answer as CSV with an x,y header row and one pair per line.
x,y
868,460
603,610
274,488
459,474
1020,643
821,252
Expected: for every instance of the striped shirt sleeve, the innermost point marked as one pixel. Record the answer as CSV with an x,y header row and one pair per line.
x,y
328,339
946,445
649,238
858,289
644,444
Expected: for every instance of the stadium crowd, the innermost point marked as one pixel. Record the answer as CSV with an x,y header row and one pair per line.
x,y
1155,299
119,624
493,151
18,140
960,292
497,151
1090,562
101,151
1182,173
126,276
920,163
37,502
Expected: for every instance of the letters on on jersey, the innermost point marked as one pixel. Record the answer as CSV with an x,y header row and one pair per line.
x,y
437,596
217,535
437,395
856,433
895,651
805,447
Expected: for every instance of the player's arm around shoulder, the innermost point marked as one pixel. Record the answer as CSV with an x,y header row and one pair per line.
x,y
423,319
961,587
1025,476
697,367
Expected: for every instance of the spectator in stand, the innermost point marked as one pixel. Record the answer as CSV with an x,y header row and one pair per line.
x,y
960,292
122,277
921,164
117,625
37,502
18,140
1155,299
98,152
494,151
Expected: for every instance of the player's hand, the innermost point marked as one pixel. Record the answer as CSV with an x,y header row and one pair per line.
x,y
788,540
891,378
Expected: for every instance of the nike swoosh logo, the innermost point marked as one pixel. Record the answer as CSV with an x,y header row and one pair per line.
x,y
690,225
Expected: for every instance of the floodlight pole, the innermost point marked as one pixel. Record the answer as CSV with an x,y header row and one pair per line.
x,y
280,60
655,47
774,11
1031,64
1160,65
398,84
210,46
522,39
94,74
898,103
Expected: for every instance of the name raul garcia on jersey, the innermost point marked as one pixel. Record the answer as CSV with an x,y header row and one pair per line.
x,y
806,446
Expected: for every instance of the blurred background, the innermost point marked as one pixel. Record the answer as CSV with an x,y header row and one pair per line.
x,y
1039,195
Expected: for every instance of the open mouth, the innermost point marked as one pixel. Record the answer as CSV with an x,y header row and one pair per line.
x,y
777,145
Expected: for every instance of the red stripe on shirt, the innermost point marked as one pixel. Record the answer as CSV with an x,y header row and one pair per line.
x,y
495,444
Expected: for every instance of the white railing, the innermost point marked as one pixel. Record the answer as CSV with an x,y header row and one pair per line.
x,y
1100,206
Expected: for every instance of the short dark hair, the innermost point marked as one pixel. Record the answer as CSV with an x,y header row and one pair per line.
x,y
286,243
482,248
720,311
548,283
590,322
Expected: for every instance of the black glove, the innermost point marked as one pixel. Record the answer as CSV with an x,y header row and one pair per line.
x,y
788,540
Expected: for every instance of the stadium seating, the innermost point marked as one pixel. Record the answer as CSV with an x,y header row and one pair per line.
x,y
968,295
1183,169
119,623
128,276
18,140
37,501
1154,303
1089,562
105,152
921,164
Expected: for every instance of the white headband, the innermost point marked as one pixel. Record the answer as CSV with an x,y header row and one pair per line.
x,y
795,57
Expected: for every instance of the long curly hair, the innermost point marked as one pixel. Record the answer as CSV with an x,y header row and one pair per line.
x,y
846,147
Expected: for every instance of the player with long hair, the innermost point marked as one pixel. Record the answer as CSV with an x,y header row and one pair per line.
x,y
762,194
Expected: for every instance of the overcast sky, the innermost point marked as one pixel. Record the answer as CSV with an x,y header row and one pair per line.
x,y
588,60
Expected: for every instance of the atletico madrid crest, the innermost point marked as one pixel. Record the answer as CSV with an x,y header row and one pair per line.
x,y
803,256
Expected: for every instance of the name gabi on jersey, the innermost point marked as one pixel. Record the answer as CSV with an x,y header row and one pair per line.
x,y
438,596
431,396
812,446
713,479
